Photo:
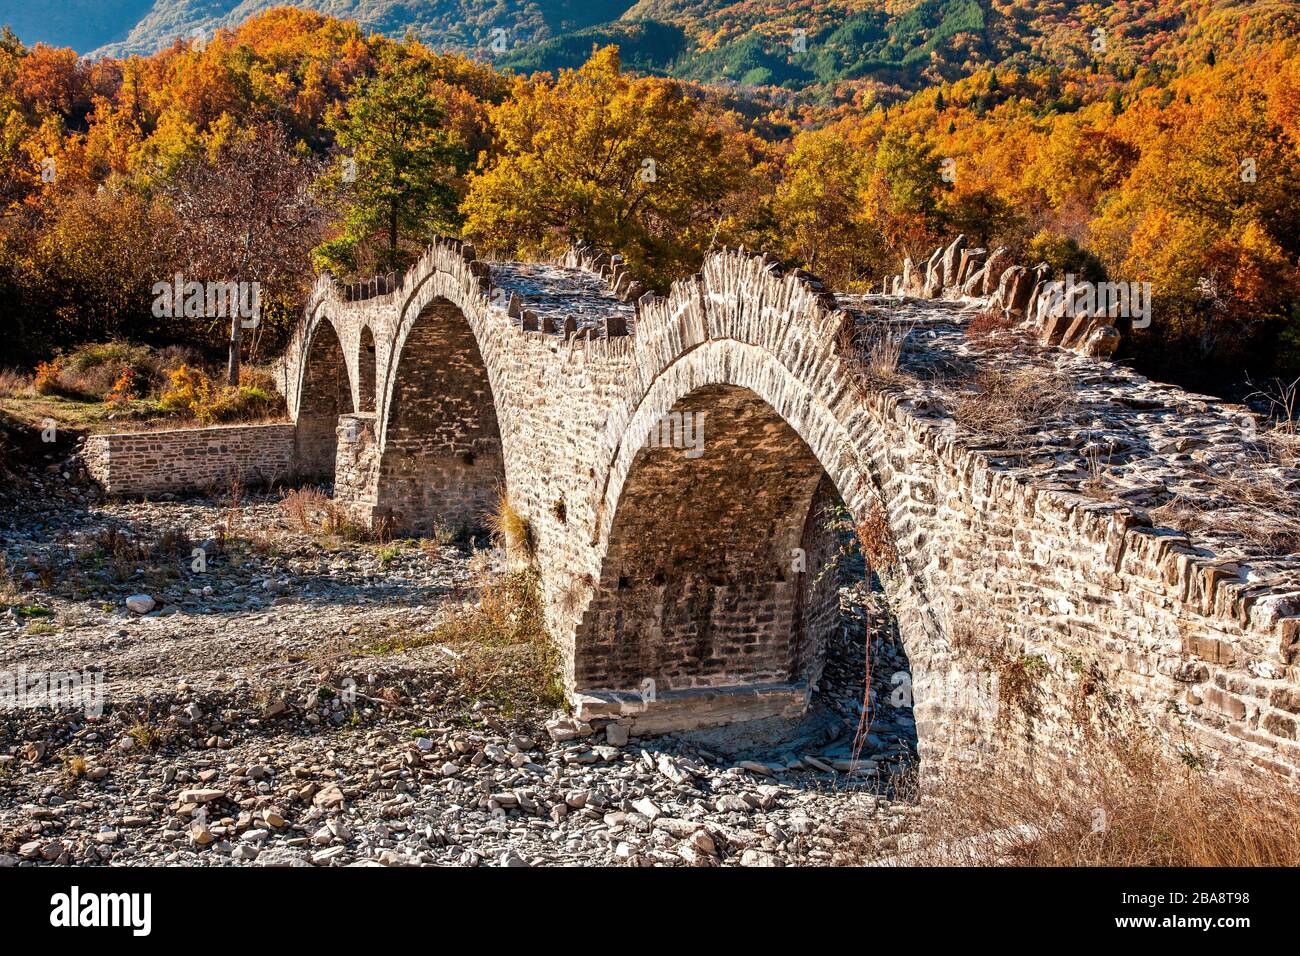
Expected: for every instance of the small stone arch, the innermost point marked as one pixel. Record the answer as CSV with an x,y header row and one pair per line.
x,y
441,463
367,370
324,395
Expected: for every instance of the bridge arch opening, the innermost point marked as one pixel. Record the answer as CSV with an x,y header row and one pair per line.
x,y
325,395
442,465
367,369
711,577
732,587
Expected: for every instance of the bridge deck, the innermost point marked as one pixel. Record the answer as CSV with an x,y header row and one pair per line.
x,y
1195,462
557,292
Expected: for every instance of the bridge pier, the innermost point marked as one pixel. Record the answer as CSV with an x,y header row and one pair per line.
x,y
356,468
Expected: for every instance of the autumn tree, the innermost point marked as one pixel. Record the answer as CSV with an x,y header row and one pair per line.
x,y
398,165
981,214
85,273
55,80
1208,215
819,207
249,214
634,165
903,194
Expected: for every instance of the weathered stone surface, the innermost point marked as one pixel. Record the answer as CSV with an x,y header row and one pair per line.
x,y
671,582
934,275
996,264
952,261
1102,342
972,260
974,284
907,280
182,459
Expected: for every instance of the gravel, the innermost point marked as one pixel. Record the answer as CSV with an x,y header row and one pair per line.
x,y
259,712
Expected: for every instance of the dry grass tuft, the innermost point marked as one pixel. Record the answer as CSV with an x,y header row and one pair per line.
x,y
1283,446
507,655
1121,804
1259,501
1255,506
302,507
510,528
439,537
125,553
13,383
146,736
313,512
1282,440
501,647
875,538
874,352
74,768
574,595
1006,405
989,324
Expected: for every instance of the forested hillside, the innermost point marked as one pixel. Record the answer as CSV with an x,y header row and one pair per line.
x,y
1171,162
828,47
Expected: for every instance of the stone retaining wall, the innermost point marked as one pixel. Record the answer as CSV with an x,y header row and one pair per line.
x,y
191,459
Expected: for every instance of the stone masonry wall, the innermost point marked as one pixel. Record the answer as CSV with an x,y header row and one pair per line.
x,y
191,459
649,564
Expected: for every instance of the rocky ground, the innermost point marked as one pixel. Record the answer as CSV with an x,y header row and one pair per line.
x,y
278,698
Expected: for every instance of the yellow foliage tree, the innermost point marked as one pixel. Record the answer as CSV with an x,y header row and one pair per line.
x,y
631,164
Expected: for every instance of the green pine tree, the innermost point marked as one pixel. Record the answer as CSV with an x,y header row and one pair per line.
x,y
400,162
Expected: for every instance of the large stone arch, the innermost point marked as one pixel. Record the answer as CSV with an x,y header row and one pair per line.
x,y
706,581
440,460
323,395
787,455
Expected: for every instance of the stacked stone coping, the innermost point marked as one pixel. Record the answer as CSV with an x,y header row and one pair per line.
x,y
191,459
746,299
1019,293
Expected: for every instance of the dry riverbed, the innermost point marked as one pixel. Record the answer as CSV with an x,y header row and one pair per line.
x,y
288,700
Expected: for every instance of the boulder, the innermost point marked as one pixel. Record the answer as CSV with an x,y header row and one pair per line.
x,y
934,275
1008,286
1102,342
1014,290
140,603
1053,327
971,260
974,286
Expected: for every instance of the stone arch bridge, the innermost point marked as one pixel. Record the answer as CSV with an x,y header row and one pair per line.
x,y
694,564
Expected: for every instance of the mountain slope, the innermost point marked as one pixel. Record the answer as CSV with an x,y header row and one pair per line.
x,y
447,24
81,24
885,44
